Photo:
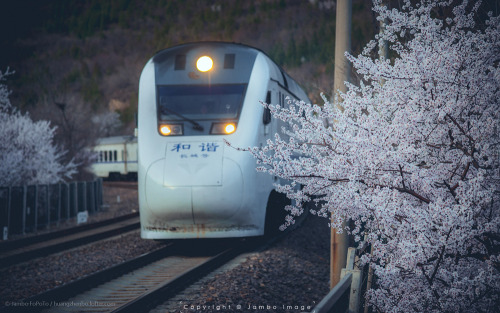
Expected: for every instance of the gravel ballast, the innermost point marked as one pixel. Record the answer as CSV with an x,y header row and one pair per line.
x,y
291,275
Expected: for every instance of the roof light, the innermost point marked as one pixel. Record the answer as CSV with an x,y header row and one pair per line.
x,y
204,64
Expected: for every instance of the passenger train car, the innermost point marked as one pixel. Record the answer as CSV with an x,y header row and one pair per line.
x,y
192,97
116,158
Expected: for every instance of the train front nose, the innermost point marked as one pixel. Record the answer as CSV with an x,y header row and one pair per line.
x,y
193,164
194,187
221,204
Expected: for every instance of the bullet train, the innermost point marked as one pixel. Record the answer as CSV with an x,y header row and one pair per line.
x,y
192,97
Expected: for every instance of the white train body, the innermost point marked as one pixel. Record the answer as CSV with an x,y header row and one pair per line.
x,y
116,158
191,185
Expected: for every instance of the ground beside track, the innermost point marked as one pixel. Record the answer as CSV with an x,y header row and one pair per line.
x,y
289,276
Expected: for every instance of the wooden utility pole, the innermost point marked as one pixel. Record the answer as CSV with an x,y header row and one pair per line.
x,y
342,45
339,242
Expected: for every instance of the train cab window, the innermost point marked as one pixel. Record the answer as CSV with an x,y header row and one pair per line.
x,y
266,118
229,60
180,62
284,79
200,102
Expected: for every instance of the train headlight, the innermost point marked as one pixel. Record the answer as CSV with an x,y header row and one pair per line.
x,y
229,128
223,128
165,130
170,129
204,64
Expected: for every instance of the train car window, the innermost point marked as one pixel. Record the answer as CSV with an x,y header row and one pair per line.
x,y
115,154
200,102
105,156
266,118
101,157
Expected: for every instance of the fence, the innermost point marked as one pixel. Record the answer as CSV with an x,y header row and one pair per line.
x,y
345,296
25,209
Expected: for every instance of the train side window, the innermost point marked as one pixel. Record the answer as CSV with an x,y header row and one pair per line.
x,y
105,156
115,155
266,118
282,99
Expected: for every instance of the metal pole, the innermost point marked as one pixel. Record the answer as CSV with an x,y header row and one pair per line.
x,y
59,200
47,202
383,53
9,208
25,195
35,208
68,200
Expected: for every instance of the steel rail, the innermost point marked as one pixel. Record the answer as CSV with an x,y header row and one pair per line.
x,y
121,184
78,286
66,239
30,240
153,298
148,298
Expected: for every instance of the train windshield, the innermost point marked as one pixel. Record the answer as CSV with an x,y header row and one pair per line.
x,y
200,102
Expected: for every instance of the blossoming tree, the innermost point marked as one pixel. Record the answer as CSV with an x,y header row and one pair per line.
x,y
411,157
28,154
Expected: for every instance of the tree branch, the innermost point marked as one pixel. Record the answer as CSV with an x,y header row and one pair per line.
x,y
402,177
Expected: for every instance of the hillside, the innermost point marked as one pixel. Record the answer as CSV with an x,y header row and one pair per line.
x,y
76,61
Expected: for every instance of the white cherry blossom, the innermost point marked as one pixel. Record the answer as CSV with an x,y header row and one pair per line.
x,y
28,154
411,157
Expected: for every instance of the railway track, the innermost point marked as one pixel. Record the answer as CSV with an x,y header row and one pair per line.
x,y
121,184
16,251
143,283
140,284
